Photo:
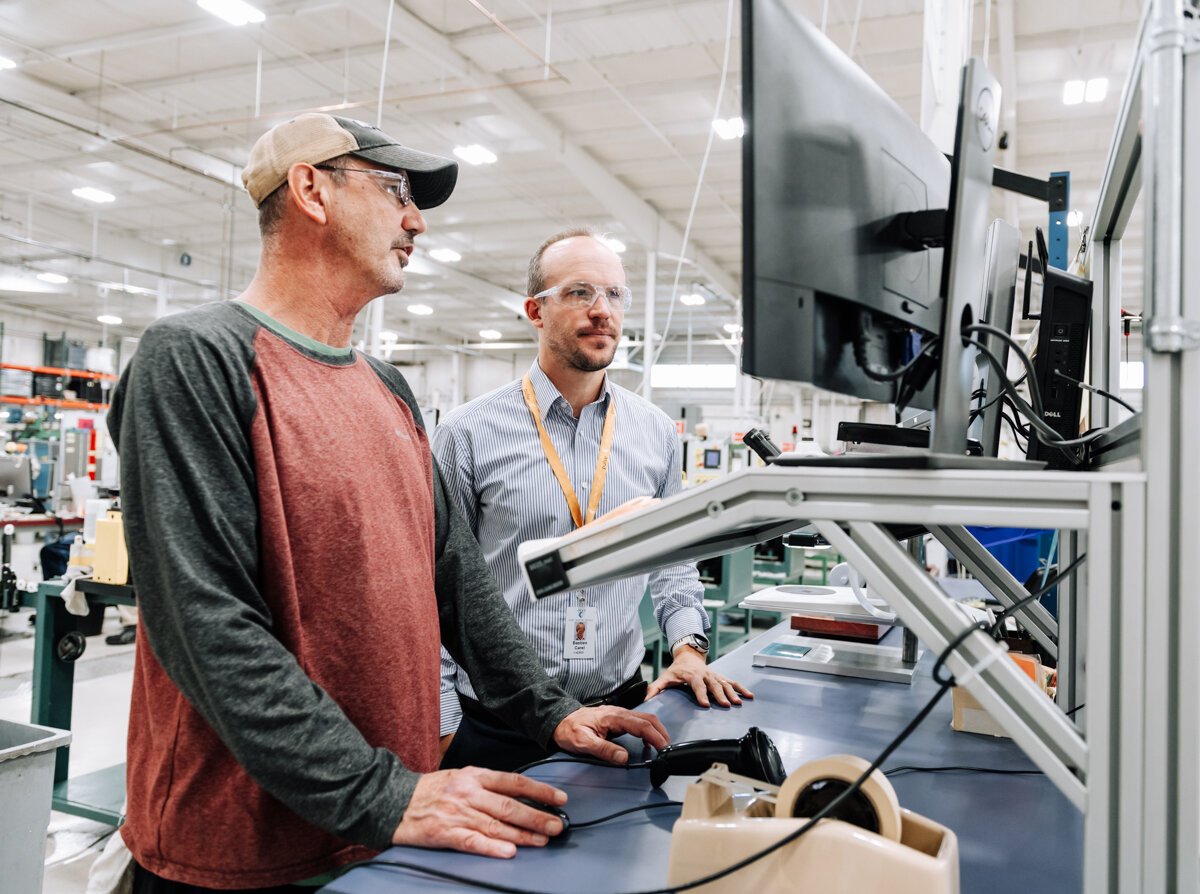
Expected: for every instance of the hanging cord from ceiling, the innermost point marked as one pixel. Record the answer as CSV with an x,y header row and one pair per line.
x,y
687,230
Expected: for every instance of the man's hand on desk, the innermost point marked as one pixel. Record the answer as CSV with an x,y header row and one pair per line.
x,y
689,668
473,810
586,731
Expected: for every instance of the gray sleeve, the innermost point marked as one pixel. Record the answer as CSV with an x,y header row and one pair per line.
x,y
181,417
454,459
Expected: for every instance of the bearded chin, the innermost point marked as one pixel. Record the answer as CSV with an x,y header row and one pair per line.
x,y
591,363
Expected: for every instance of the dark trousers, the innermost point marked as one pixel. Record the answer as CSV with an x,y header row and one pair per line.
x,y
483,740
146,882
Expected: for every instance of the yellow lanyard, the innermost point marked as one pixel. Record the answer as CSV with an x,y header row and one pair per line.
x,y
606,438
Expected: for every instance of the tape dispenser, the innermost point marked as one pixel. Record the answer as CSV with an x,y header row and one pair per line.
x,y
873,845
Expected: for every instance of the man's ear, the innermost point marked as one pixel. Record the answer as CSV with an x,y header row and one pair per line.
x,y
533,310
308,192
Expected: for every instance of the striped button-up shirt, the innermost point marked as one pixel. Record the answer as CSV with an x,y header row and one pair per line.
x,y
496,471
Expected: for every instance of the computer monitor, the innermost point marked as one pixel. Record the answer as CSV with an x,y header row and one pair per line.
x,y
15,480
852,218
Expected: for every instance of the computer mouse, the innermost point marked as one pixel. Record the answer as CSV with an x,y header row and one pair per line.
x,y
553,811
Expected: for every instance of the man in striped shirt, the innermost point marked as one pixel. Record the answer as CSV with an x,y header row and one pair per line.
x,y
543,455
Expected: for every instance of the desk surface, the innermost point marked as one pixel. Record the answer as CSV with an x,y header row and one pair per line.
x,y
1015,833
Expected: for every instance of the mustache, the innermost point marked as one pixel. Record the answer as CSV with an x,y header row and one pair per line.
x,y
591,331
403,243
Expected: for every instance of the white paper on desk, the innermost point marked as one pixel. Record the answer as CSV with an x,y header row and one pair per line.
x,y
812,600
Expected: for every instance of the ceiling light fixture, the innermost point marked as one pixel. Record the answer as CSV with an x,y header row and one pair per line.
x,y
489,334
421,310
1073,92
1096,90
124,287
692,299
732,328
56,278
615,245
235,12
109,319
388,337
92,194
475,154
445,255
729,128
6,63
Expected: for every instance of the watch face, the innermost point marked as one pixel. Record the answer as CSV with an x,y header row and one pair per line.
x,y
700,641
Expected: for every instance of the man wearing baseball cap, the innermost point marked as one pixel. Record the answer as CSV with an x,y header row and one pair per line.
x,y
298,563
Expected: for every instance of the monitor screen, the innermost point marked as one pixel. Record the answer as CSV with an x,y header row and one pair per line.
x,y
712,458
829,160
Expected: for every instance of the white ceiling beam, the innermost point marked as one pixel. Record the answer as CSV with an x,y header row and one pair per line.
x,y
621,202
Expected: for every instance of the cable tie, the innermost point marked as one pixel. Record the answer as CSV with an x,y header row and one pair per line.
x,y
987,661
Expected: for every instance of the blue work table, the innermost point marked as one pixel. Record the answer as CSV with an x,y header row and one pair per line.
x,y
1015,833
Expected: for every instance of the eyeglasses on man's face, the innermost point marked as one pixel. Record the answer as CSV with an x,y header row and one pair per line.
x,y
585,294
394,183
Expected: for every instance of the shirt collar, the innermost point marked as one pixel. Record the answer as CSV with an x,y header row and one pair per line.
x,y
547,392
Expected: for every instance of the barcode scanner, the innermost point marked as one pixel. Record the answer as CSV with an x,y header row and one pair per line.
x,y
753,755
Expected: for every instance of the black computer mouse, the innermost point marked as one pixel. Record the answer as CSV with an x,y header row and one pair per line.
x,y
553,811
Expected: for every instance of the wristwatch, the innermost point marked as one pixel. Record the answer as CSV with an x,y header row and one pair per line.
x,y
697,641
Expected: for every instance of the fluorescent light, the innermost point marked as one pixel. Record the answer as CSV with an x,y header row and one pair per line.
x,y
109,320
56,278
692,299
166,241
1073,92
614,245
729,128
1074,218
693,375
93,195
489,334
1096,90
122,287
445,255
421,310
235,12
388,337
732,328
475,154
6,63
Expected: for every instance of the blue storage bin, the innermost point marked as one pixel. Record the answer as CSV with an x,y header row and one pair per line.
x,y
1020,551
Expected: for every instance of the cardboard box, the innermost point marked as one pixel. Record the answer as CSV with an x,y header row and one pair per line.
x,y
971,717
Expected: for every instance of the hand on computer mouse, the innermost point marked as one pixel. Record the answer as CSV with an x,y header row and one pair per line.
x,y
556,812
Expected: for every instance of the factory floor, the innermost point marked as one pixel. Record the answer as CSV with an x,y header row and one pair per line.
x,y
103,679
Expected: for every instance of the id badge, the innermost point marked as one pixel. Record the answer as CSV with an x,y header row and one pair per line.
x,y
579,637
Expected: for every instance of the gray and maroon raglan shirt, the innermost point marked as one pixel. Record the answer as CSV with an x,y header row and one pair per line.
x,y
297,565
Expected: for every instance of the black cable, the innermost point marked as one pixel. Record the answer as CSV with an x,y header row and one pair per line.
x,y
604,819
1030,372
882,374
1100,391
1048,435
1038,593
594,761
1071,713
896,771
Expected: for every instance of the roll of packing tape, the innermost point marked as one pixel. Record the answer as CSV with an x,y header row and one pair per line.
x,y
873,807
